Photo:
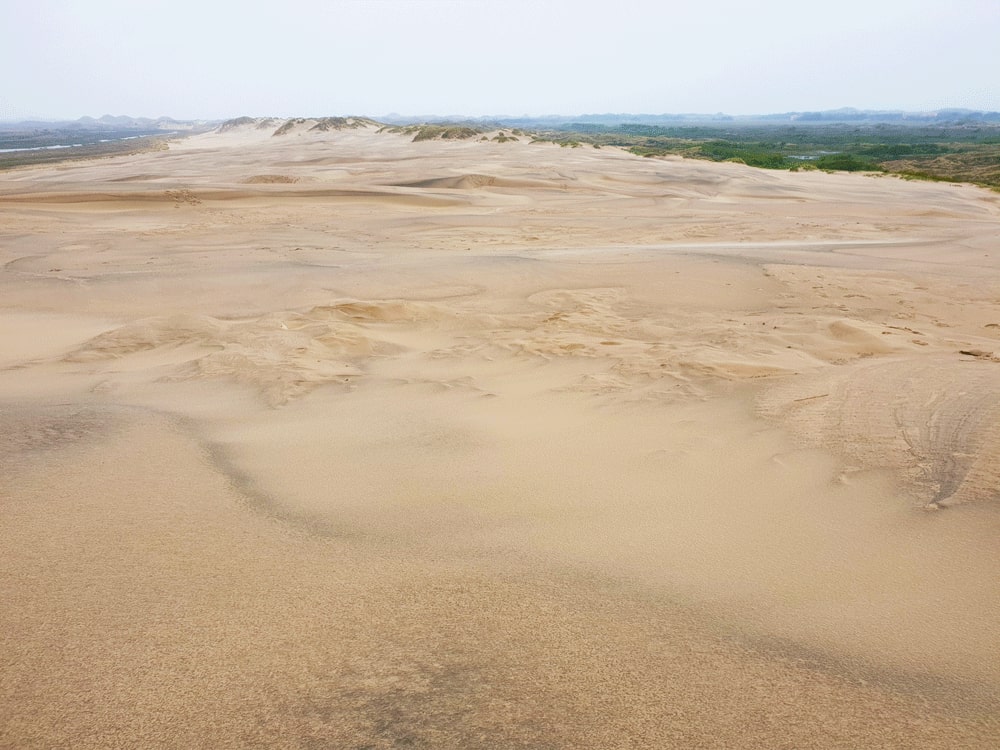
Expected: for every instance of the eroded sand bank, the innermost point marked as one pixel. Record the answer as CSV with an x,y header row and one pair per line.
x,y
339,440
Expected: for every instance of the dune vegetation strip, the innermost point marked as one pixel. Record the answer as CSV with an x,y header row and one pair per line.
x,y
947,154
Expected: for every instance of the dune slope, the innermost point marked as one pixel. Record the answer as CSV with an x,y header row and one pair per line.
x,y
336,439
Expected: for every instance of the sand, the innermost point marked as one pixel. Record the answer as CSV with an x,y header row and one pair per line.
x,y
332,439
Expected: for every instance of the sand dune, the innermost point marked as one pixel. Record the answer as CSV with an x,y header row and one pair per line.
x,y
335,439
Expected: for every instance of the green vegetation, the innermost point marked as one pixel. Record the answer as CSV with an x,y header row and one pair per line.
x,y
319,124
761,155
953,153
846,163
289,126
435,132
236,122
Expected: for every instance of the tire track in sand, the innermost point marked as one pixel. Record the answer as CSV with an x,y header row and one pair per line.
x,y
934,420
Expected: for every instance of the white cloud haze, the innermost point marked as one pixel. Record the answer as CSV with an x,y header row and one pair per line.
x,y
67,58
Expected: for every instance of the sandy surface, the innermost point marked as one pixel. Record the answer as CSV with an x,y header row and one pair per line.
x,y
338,440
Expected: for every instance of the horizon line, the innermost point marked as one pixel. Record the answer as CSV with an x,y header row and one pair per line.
x,y
548,116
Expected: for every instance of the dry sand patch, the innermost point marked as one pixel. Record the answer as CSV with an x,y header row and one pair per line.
x,y
462,444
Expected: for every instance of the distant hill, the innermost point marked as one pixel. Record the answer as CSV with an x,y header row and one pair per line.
x,y
848,114
282,126
949,117
946,117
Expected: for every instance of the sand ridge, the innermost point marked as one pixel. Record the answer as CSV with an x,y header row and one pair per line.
x,y
338,438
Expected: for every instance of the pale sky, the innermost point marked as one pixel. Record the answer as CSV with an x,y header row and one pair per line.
x,y
219,59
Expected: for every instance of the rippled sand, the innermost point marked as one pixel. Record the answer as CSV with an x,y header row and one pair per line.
x,y
338,440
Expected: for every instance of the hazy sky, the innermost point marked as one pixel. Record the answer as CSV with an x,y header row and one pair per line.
x,y
217,59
